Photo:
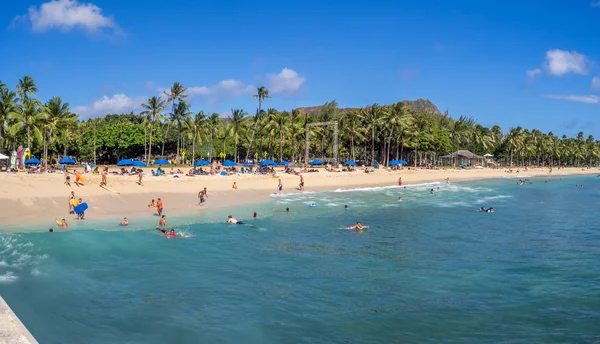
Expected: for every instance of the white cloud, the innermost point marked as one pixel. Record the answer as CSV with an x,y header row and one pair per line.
x,y
115,104
561,62
575,98
532,73
67,15
150,85
596,83
215,94
287,81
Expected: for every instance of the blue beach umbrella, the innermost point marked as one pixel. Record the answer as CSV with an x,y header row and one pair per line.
x,y
394,162
267,163
162,162
317,162
284,163
229,163
248,163
350,163
66,161
202,163
33,161
125,162
402,162
138,163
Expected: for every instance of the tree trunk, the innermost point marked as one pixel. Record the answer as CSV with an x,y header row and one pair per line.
x,y
194,150
373,144
352,147
280,146
28,136
211,147
164,141
149,146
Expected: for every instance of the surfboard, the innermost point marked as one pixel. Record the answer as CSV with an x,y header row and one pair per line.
x,y
80,208
107,189
59,222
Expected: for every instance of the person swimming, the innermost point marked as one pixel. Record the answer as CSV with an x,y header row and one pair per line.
x,y
158,228
482,209
231,219
491,210
399,199
346,207
358,226
63,224
287,210
255,215
170,234
125,222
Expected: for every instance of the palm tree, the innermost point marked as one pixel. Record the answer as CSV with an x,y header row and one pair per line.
x,y
30,119
280,125
175,95
213,125
57,117
167,123
152,111
182,111
353,127
25,88
262,93
236,128
372,116
8,111
195,126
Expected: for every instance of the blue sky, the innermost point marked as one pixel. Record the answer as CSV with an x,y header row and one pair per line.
x,y
529,63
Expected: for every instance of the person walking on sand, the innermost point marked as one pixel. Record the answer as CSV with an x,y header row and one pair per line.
x,y
301,183
280,187
67,178
140,176
205,192
104,173
400,181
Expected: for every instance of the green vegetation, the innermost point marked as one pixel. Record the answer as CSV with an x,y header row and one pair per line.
x,y
410,130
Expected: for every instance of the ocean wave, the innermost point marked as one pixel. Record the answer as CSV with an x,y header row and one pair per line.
x,y
492,198
8,277
391,187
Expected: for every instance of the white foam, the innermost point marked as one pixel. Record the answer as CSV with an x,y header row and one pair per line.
x,y
8,277
491,198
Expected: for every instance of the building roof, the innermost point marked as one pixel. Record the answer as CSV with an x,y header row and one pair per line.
x,y
463,154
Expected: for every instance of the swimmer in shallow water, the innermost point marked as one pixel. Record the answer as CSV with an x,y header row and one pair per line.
x,y
231,219
358,226
125,222
170,234
399,199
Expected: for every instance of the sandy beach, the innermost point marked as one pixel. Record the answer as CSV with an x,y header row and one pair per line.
x,y
35,199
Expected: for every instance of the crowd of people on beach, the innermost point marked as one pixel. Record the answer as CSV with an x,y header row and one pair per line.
x,y
202,198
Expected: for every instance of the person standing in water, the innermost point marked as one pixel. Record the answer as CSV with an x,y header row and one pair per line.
x,y
201,199
159,207
163,221
72,202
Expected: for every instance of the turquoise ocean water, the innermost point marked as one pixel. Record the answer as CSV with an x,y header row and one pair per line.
x,y
429,270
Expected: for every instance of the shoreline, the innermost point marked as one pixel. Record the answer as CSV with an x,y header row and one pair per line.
x,y
32,200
